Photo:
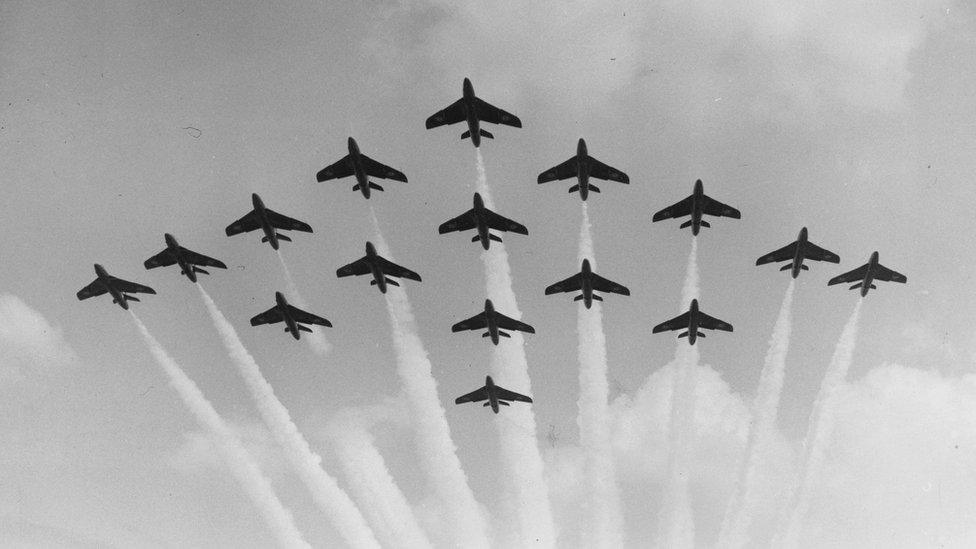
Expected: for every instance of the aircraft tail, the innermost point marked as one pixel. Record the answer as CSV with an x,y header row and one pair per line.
x,y
486,334
594,188
126,297
700,334
503,334
786,267
486,134
280,236
574,188
804,268
578,298
685,224
466,135
495,238
304,328
704,223
856,286
597,298
503,403
475,238
391,282
487,404
374,186
683,334
199,270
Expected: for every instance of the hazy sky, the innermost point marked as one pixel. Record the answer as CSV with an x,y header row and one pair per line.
x,y
122,121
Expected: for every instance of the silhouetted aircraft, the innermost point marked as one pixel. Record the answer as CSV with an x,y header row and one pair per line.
x,y
118,288
472,109
692,320
362,166
583,167
379,267
866,274
494,321
696,205
267,220
482,218
292,316
795,252
174,254
587,281
494,394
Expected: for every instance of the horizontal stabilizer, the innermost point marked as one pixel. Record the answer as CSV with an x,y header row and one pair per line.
x,y
475,238
392,282
486,134
701,334
355,187
856,286
786,267
683,334
466,135
495,238
375,186
597,298
873,287
199,270
503,403
304,328
685,224
804,268
128,297
704,223
503,334
487,404
574,188
594,188
486,334
578,298
283,238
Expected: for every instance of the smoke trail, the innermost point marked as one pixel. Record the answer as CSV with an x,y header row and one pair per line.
x,y
256,485
594,417
519,442
327,495
821,425
676,520
316,340
369,479
765,409
436,449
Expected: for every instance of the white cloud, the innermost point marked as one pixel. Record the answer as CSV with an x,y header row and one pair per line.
x,y
197,453
29,345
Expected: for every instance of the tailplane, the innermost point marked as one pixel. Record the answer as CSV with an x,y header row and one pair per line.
x,y
493,237
466,134
704,223
199,270
594,188
685,224
786,267
574,188
486,134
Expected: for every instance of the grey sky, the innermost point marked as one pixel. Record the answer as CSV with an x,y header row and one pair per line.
x,y
853,119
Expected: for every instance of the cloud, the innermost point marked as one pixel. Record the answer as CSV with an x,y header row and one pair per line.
x,y
29,345
197,453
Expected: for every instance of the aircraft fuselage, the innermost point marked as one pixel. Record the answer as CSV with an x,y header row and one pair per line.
x,y
586,285
801,241
582,170
696,207
492,396
173,247
491,321
105,279
471,113
269,231
693,322
374,267
290,325
482,221
869,274
357,166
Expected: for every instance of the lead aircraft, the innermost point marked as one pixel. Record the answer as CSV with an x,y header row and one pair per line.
x,y
292,316
118,288
267,220
692,320
362,166
494,322
795,252
587,281
481,218
582,167
866,275
494,394
379,267
473,110
696,205
174,254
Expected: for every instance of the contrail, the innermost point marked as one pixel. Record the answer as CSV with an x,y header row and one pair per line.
x,y
369,478
603,499
316,339
676,522
228,445
435,447
820,427
765,409
347,519
519,442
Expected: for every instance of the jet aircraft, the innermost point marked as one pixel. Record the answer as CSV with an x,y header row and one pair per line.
x,y
795,252
292,316
587,281
362,166
379,267
582,167
494,322
267,220
866,275
481,218
692,320
118,288
494,394
472,109
174,254
696,205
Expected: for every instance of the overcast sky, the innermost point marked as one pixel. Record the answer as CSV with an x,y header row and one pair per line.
x,y
122,121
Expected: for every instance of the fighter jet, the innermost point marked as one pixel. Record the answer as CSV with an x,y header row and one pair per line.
x,y
174,254
866,275
472,110
482,218
120,289
494,394
362,166
587,281
291,315
796,252
696,205
494,322
583,166
693,320
267,220
379,267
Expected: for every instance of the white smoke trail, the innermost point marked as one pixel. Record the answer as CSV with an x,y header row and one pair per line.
x,y
436,449
369,478
316,339
603,499
228,445
327,494
765,409
677,525
519,442
820,427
